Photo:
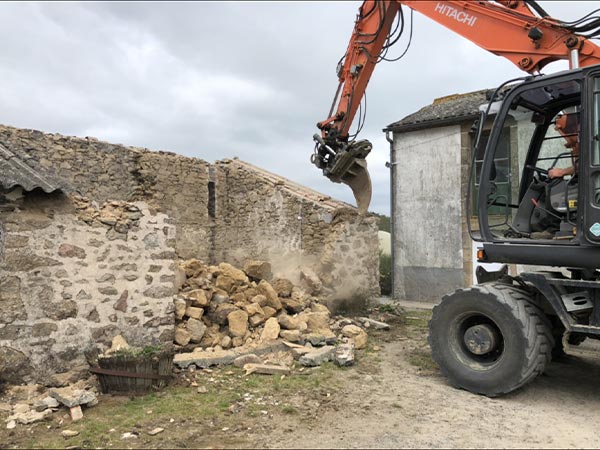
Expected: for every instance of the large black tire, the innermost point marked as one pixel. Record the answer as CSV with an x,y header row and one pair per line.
x,y
522,345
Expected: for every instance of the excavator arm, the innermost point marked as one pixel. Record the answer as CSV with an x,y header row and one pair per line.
x,y
520,31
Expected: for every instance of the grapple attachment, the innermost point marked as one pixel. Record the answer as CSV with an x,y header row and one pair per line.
x,y
349,166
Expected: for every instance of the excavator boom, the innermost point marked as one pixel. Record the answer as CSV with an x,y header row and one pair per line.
x,y
520,31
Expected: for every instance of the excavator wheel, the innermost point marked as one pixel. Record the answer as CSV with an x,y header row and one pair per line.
x,y
490,339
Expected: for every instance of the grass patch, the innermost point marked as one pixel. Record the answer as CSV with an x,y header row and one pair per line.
x,y
422,359
185,405
289,409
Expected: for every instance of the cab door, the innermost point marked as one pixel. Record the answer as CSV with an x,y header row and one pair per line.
x,y
590,160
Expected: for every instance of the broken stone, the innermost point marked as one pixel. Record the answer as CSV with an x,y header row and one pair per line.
x,y
155,431
238,323
198,297
45,403
69,433
118,343
357,334
258,270
11,424
289,323
344,355
21,408
224,282
267,290
318,339
253,308
238,297
241,361
260,299
270,331
222,312
29,416
194,312
293,306
196,329
129,435
76,413
317,357
283,287
204,359
50,402
72,397
291,335
226,342
182,336
374,323
298,352
256,320
269,312
317,307
192,267
180,307
311,280
219,296
234,274
266,369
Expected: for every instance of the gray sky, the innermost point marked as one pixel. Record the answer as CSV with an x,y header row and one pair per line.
x,y
217,80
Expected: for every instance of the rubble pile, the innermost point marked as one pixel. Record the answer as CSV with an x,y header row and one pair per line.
x,y
223,307
32,403
225,315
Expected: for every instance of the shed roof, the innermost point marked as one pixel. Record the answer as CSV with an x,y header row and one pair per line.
x,y
14,172
448,110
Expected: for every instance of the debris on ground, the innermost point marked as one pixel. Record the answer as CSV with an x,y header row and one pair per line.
x,y
32,403
224,315
266,369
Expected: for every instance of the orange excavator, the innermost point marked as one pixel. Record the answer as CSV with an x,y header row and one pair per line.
x,y
538,197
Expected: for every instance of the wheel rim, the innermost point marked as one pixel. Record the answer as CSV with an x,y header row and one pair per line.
x,y
478,340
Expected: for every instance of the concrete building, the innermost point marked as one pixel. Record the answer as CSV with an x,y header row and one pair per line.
x,y
430,158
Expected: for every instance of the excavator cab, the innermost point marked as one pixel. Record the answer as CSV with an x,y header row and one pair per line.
x,y
530,195
538,205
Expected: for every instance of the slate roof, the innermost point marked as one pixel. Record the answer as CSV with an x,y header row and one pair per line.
x,y
448,110
14,172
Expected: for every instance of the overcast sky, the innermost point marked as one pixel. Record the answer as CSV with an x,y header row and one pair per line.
x,y
218,80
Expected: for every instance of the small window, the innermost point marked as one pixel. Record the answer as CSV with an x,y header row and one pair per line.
x,y
502,169
211,200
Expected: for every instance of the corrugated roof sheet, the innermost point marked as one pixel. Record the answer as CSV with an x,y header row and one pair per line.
x,y
443,111
14,172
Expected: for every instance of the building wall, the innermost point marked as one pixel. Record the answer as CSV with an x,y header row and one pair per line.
x,y
73,275
78,271
261,217
174,184
428,222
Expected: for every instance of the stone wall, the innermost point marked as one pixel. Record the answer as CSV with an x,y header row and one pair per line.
x,y
74,275
173,184
261,216
74,271
427,212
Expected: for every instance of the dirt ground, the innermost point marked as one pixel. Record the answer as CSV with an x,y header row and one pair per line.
x,y
393,397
